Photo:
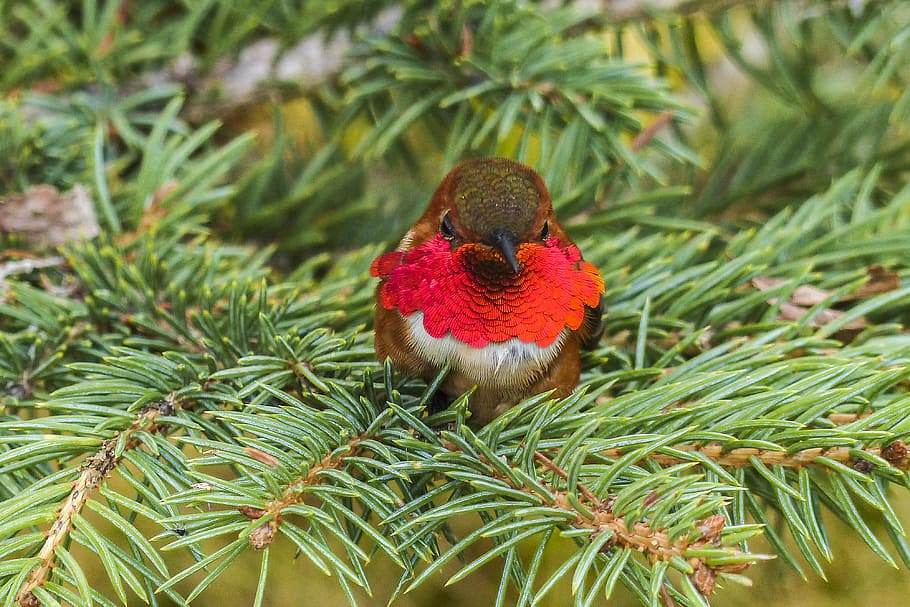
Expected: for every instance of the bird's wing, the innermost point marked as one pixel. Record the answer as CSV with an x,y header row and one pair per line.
x,y
591,329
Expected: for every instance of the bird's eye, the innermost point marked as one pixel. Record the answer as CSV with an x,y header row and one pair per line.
x,y
545,232
447,229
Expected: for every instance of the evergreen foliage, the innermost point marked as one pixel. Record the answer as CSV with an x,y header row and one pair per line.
x,y
166,388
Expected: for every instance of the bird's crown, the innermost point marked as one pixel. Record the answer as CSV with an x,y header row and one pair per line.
x,y
497,194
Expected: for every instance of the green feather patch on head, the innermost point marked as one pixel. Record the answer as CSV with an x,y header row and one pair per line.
x,y
496,194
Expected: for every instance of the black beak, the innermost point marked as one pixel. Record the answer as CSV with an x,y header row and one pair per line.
x,y
505,242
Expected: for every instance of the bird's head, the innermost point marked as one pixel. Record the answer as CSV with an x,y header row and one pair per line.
x,y
493,204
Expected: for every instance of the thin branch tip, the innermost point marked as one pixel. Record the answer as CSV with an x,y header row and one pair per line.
x,y
95,471
896,454
261,537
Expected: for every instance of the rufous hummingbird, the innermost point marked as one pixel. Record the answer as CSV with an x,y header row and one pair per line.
x,y
488,282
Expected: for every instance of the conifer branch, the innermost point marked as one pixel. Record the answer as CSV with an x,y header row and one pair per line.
x,y
698,549
895,454
95,471
262,536
656,543
26,266
550,465
758,354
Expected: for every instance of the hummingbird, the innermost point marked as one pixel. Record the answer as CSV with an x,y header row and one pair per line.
x,y
488,283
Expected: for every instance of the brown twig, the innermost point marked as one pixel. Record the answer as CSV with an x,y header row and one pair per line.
x,y
650,131
550,465
738,458
95,470
665,593
262,536
842,419
641,536
656,543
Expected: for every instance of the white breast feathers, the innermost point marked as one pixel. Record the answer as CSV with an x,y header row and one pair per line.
x,y
505,363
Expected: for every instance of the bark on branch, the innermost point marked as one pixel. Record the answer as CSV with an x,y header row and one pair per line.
x,y
96,469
